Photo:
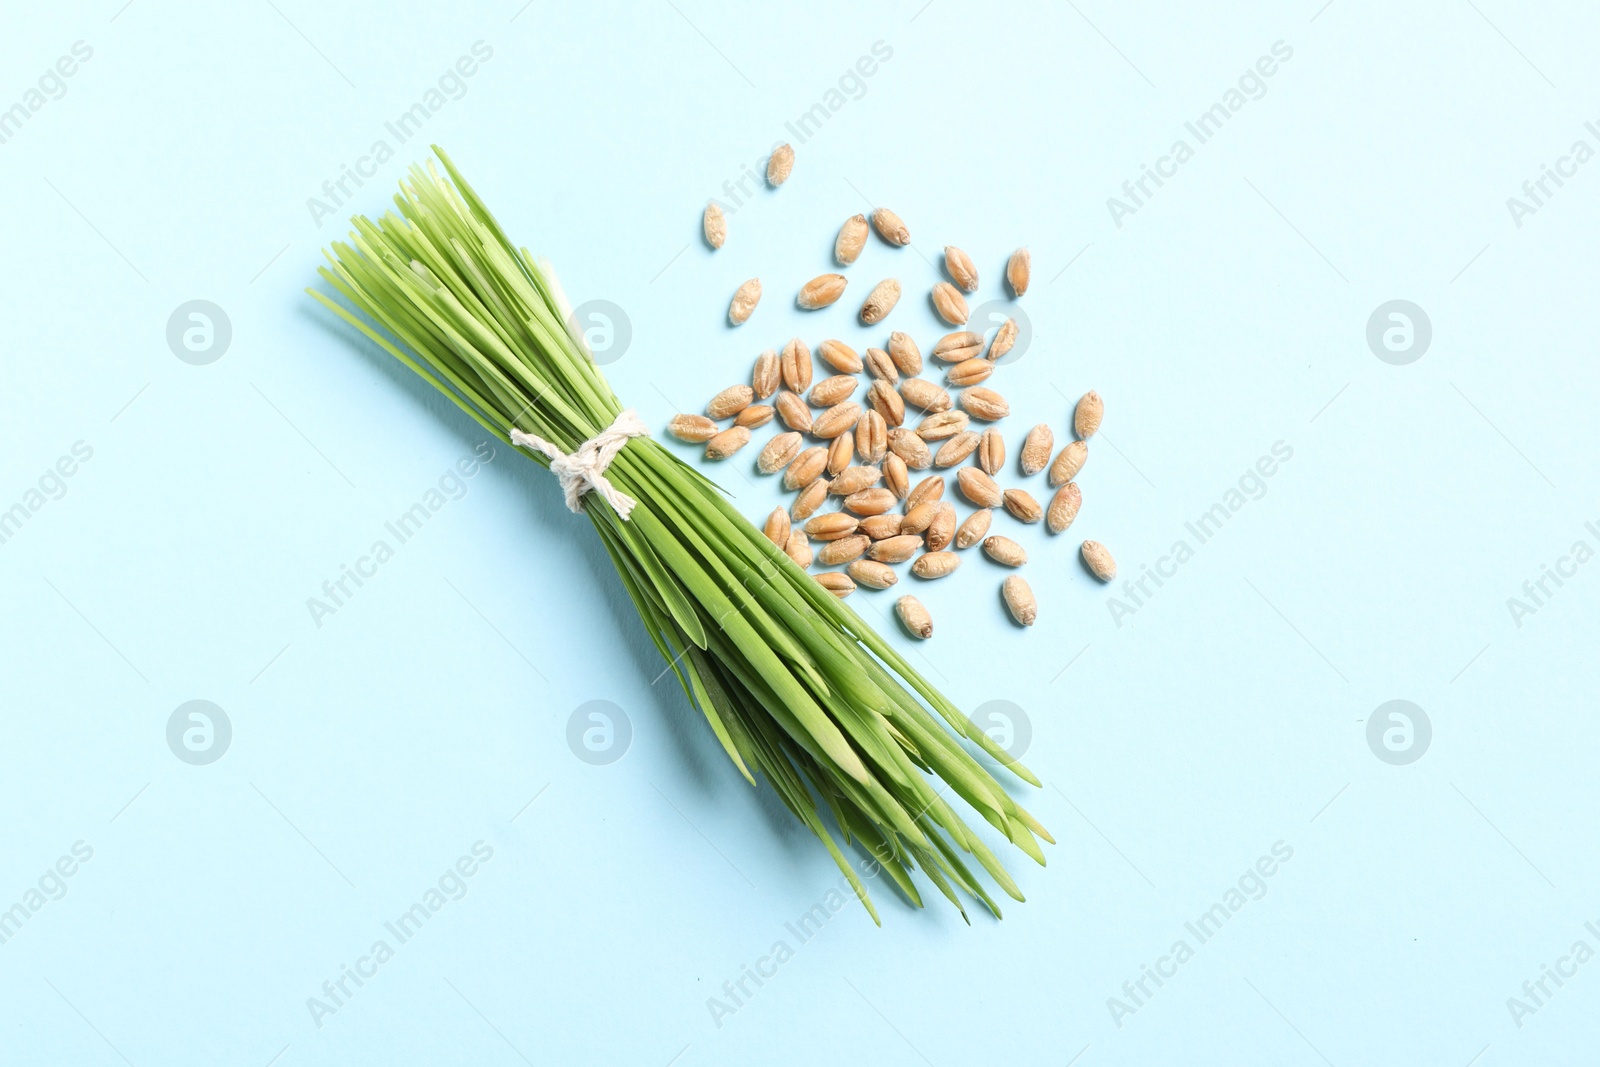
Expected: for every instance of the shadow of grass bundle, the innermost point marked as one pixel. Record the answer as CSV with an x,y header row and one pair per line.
x,y
792,682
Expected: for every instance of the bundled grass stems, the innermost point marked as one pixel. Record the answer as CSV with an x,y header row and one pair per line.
x,y
792,682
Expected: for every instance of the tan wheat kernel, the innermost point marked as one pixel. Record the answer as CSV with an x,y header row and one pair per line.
x,y
780,165
872,574
974,528
1069,463
905,353
1036,449
959,266
884,296
991,451
1019,599
840,356
696,429
798,548
778,453
914,616
1063,507
932,565
1018,271
795,365
731,401
836,582
890,227
1098,559
821,291
727,442
852,238
744,302
766,377
716,226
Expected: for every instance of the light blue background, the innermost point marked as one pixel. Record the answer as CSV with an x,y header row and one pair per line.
x,y
1228,714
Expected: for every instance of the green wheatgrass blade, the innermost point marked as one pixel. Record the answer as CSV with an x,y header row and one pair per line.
x,y
793,684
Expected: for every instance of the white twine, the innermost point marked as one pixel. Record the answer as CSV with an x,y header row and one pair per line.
x,y
584,470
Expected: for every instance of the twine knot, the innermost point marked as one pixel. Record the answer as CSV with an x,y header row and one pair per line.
x,y
584,469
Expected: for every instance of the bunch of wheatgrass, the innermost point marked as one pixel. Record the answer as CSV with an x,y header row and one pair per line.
x,y
793,683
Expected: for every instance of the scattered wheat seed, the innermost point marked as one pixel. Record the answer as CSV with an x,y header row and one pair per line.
x,y
1063,507
895,475
843,550
1004,339
779,165
695,429
841,450
852,238
914,617
956,449
884,296
874,501
1018,271
731,401
836,420
895,549
795,365
950,304
944,425
921,393
983,403
854,479
978,487
905,353
991,452
832,390
767,375
958,347
890,227
1069,463
793,411
1086,419
778,528
872,437
931,565
1036,449
1019,599
877,527
798,548
959,266
911,448
942,530
716,226
727,442
753,416
880,366
779,453
836,582
928,490
821,291
744,302
887,402
972,372
971,531
916,520
872,574
831,527
1004,550
809,500
805,468
1022,505
1098,559
840,356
